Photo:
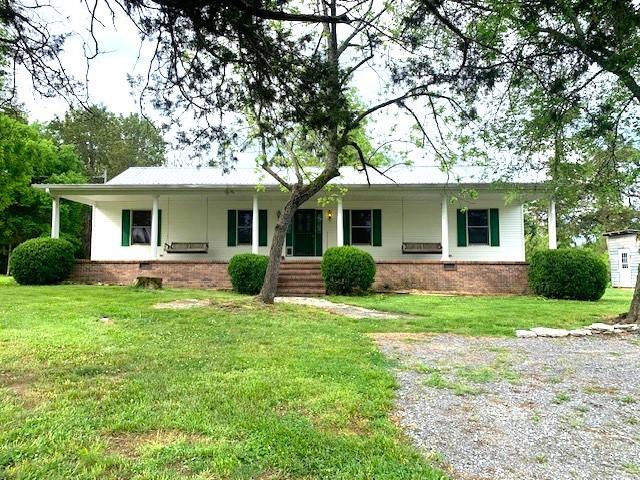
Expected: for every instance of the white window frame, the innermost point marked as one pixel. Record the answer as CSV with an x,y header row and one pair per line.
x,y
370,227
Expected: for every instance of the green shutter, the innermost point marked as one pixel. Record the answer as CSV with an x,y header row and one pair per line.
x,y
159,227
462,228
126,227
290,234
346,227
231,228
262,228
318,233
494,227
377,228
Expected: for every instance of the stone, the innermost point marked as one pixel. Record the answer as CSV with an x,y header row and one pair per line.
x,y
625,326
550,332
526,334
580,332
601,328
105,320
148,282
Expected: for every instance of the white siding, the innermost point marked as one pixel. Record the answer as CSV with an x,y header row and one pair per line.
x,y
511,233
621,242
405,218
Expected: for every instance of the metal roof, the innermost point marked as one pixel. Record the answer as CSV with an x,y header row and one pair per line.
x,y
621,232
399,175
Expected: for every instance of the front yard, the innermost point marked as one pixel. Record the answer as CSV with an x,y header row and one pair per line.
x,y
228,390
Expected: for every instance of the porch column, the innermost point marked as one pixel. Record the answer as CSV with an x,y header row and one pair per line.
x,y
55,217
553,242
255,226
339,223
444,229
154,227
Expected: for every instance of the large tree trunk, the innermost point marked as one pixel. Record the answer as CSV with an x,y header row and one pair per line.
x,y
634,309
270,286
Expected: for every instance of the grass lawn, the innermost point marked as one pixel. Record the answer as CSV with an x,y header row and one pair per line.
x,y
489,315
233,390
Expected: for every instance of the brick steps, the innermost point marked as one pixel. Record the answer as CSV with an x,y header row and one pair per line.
x,y
300,279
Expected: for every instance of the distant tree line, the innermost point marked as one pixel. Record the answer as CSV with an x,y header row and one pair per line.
x,y
78,148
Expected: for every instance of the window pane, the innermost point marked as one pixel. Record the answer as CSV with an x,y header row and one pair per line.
x,y
244,235
479,235
244,218
141,235
141,218
478,218
361,218
361,235
244,226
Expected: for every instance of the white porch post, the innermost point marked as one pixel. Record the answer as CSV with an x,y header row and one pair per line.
x,y
339,223
55,217
444,234
553,241
255,226
154,227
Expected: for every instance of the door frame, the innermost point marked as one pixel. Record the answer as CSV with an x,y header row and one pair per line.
x,y
317,234
627,280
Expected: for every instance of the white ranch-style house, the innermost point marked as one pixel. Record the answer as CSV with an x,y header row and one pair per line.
x,y
184,224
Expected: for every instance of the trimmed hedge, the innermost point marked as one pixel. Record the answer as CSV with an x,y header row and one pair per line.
x,y
247,272
568,273
42,261
347,270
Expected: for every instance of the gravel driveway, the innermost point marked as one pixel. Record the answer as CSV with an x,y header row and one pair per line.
x,y
490,408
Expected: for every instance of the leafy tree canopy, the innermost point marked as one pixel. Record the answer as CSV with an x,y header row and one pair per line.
x,y
106,141
27,156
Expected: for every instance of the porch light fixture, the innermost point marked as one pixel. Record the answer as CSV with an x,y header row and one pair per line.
x,y
329,215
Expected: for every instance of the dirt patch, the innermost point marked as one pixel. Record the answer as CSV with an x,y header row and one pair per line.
x,y
183,304
129,444
22,387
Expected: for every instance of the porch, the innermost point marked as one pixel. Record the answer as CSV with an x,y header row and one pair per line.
x,y
392,226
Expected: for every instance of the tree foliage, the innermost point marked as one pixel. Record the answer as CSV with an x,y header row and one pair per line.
x,y
106,141
26,157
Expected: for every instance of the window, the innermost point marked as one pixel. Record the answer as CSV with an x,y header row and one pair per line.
x,y
624,259
141,227
478,227
245,222
361,227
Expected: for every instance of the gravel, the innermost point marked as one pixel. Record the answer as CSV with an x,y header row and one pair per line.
x,y
490,408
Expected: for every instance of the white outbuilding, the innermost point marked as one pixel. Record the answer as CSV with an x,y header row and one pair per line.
x,y
624,257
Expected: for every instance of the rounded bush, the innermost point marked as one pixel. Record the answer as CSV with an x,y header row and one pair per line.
x,y
42,261
247,272
347,270
568,273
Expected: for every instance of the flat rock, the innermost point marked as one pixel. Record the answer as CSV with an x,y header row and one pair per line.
x,y
580,332
526,334
600,327
626,326
550,332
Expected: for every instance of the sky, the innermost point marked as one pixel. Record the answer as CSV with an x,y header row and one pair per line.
x,y
121,53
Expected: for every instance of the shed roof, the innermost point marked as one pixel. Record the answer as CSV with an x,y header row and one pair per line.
x,y
618,233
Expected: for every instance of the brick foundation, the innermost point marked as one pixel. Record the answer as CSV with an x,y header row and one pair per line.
x,y
459,277
195,274
433,276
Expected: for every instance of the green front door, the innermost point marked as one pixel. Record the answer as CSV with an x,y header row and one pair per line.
x,y
307,233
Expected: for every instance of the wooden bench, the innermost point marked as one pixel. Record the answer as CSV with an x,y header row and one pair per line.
x,y
421,247
186,247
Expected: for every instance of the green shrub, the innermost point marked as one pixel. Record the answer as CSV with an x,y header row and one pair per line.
x,y
247,272
347,270
42,261
570,273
